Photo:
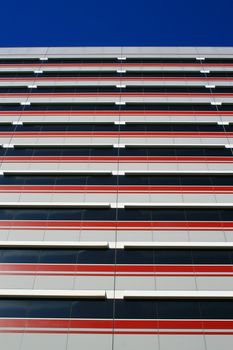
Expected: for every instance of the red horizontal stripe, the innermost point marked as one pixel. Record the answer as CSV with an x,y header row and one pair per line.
x,y
112,94
118,65
116,324
115,189
115,268
121,78
103,274
114,159
157,331
111,134
119,225
117,112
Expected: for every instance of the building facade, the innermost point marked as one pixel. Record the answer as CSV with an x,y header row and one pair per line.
x,y
116,209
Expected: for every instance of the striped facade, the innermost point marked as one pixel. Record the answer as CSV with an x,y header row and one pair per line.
x,y
116,207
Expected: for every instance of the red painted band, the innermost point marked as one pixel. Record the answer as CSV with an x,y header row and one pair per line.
x,y
120,78
194,134
117,65
117,112
114,189
116,323
115,159
118,269
112,94
119,225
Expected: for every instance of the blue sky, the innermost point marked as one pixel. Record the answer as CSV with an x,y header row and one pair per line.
x,y
128,22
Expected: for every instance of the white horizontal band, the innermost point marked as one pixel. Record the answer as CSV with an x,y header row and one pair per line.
x,y
175,245
110,294
177,205
32,293
17,122
26,103
54,205
116,245
53,244
119,145
178,172
177,294
216,103
56,172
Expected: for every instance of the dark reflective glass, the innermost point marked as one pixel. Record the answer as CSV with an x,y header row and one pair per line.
x,y
216,309
181,309
113,89
99,214
168,214
136,309
111,106
100,74
92,309
52,256
177,256
121,256
14,308
126,180
95,256
139,256
211,256
132,214
65,214
53,308
18,256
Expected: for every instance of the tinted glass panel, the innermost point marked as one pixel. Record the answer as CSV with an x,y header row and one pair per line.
x,y
156,214
111,106
124,309
121,256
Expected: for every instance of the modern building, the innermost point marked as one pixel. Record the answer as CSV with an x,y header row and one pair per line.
x,y
116,198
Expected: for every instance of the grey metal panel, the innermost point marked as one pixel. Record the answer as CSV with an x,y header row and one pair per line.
x,y
214,283
216,342
98,98
84,51
11,341
108,140
89,341
134,283
207,236
94,282
16,282
176,283
171,236
182,342
136,342
43,341
54,282
115,81
116,118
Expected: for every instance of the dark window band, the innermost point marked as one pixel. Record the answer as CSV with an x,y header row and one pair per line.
x,y
95,214
130,74
130,309
102,60
115,90
109,151
127,180
118,256
111,106
101,127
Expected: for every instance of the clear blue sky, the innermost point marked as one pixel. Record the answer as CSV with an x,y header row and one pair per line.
x,y
123,22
